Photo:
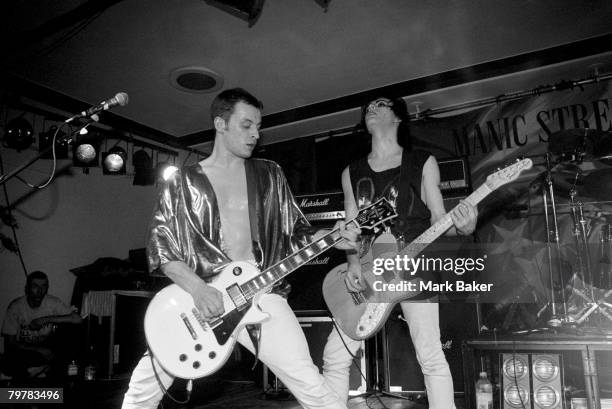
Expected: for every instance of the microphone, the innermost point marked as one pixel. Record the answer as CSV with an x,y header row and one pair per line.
x,y
121,98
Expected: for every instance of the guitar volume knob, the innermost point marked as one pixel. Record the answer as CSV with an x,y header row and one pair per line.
x,y
237,271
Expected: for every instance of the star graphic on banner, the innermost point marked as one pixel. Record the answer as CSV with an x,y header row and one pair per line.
x,y
513,241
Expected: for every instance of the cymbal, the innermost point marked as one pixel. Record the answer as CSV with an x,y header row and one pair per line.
x,y
578,140
598,184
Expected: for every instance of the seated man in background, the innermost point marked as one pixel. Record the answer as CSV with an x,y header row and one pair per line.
x,y
32,335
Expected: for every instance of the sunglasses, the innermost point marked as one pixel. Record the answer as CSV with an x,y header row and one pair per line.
x,y
379,103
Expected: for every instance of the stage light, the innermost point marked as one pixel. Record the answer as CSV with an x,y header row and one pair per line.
x,y
544,368
61,145
85,151
547,387
515,368
516,396
531,381
114,161
165,170
18,134
546,397
516,388
144,174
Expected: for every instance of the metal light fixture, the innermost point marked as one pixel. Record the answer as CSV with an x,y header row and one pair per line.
x,y
114,161
61,145
515,381
86,150
144,174
165,170
547,385
531,381
18,134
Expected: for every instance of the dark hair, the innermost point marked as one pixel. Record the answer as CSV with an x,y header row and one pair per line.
x,y
36,275
400,109
224,103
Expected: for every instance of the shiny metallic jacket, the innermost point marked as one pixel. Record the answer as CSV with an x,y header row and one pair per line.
x,y
186,223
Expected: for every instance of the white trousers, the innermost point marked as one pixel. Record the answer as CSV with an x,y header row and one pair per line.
x,y
423,320
282,348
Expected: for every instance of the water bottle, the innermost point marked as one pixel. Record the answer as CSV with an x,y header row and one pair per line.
x,y
484,392
73,369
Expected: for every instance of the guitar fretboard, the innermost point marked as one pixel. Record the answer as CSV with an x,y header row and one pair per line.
x,y
437,229
277,272
368,217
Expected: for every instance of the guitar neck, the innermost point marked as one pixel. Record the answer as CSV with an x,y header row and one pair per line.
x,y
439,227
278,271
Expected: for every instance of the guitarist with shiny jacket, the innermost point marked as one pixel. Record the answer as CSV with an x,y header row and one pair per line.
x,y
410,180
229,207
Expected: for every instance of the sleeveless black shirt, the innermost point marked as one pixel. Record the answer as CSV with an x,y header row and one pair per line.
x,y
401,186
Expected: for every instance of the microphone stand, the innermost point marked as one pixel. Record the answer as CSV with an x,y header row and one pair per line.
x,y
548,190
69,138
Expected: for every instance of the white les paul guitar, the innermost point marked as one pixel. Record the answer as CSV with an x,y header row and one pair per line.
x,y
188,347
361,315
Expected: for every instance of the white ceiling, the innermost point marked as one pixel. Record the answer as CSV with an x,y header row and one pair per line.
x,y
296,55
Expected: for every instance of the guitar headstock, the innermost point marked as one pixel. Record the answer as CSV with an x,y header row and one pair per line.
x,y
375,214
508,174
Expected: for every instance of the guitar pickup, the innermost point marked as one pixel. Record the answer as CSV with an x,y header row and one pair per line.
x,y
358,298
189,326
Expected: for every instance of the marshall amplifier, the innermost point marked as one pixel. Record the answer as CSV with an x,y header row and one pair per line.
x,y
306,296
454,177
322,208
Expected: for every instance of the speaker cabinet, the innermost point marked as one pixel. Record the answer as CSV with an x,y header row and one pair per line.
x,y
306,296
403,374
316,330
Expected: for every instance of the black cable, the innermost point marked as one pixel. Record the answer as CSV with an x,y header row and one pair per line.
x,y
163,388
354,360
12,225
514,377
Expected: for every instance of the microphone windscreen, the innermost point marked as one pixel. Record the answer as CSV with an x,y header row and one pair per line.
x,y
122,98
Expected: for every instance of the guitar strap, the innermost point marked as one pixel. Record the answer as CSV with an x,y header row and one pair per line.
x,y
254,202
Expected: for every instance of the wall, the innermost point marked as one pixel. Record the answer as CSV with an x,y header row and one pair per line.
x,y
72,222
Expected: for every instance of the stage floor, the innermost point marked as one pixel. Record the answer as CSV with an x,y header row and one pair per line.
x,y
108,394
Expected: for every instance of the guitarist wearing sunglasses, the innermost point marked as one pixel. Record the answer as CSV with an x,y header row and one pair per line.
x,y
410,180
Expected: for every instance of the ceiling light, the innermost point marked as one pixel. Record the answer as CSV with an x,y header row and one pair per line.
x,y
114,161
196,80
18,134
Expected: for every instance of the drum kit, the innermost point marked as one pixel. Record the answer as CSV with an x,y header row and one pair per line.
x,y
578,168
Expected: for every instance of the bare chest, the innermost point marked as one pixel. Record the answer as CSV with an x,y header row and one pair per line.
x,y
232,200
